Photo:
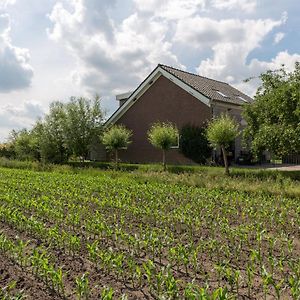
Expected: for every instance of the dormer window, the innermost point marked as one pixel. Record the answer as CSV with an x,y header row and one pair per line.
x,y
223,95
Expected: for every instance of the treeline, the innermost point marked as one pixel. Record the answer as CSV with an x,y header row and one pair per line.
x,y
72,129
69,129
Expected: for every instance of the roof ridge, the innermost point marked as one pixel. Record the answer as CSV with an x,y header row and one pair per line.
x,y
162,65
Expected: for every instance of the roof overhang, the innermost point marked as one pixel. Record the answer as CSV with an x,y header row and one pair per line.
x,y
227,104
145,85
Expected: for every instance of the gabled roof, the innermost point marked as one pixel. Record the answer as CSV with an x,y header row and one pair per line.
x,y
204,89
213,89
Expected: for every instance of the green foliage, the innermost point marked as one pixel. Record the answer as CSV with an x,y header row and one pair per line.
x,y
163,135
25,144
222,131
273,120
7,150
52,135
116,137
68,129
147,236
107,293
7,292
194,143
82,287
83,124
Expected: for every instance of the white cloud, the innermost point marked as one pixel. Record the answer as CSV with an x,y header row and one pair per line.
x,y
179,9
278,37
109,46
5,3
23,116
244,5
231,40
171,9
16,72
114,57
256,67
148,5
206,32
28,111
282,58
111,57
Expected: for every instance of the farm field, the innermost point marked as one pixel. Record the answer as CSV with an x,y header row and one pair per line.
x,y
109,235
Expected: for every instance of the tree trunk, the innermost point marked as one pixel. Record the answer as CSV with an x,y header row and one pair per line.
x,y
225,160
164,160
116,159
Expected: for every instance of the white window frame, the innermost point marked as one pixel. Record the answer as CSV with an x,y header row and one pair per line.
x,y
222,94
242,98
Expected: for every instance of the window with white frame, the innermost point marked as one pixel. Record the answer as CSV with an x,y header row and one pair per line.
x,y
222,94
241,98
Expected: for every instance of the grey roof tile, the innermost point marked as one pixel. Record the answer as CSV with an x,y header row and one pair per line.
x,y
213,89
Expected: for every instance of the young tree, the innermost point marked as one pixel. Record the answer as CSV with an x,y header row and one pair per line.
x,y
115,138
163,136
221,132
273,120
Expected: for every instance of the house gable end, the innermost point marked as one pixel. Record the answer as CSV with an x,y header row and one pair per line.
x,y
164,101
146,84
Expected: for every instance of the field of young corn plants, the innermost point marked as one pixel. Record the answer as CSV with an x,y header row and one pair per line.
x,y
81,236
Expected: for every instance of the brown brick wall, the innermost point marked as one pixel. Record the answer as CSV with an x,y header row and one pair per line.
x,y
163,101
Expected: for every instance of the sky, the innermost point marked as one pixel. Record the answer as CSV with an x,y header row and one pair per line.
x,y
51,50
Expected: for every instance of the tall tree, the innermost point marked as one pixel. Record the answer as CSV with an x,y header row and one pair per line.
x,y
25,144
83,124
163,136
52,136
221,132
273,120
68,128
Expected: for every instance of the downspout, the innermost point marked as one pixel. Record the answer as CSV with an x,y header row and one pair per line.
x,y
212,108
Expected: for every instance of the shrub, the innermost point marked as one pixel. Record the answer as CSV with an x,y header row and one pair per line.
x,y
194,143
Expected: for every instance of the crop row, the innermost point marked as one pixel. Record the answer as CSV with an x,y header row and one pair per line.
x,y
191,240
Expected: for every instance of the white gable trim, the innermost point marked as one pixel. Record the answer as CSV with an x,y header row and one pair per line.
x,y
186,87
145,86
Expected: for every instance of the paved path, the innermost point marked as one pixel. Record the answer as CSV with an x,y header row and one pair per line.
x,y
284,167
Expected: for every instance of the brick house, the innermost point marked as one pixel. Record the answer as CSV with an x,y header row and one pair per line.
x,y
173,95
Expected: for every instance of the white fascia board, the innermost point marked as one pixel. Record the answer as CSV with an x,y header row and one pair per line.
x,y
186,87
227,105
144,87
134,97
